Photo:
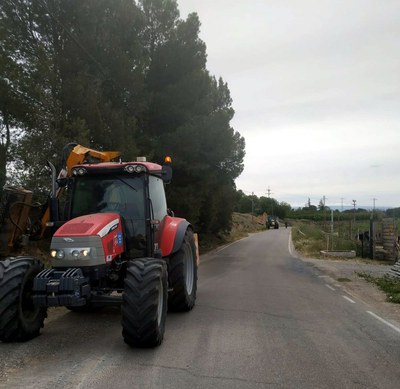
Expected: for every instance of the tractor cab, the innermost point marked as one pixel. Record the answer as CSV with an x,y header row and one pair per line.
x,y
134,191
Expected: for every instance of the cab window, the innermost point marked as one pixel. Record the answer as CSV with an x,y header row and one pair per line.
x,y
157,196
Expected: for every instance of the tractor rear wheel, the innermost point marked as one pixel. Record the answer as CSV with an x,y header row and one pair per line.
x,y
182,276
20,319
144,303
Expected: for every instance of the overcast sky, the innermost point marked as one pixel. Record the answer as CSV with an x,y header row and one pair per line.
x,y
316,91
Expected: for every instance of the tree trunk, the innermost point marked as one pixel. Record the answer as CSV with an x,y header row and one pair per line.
x,y
4,147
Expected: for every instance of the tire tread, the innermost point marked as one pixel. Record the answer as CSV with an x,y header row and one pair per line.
x,y
140,326
12,276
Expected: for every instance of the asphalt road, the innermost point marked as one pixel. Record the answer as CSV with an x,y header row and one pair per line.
x,y
263,319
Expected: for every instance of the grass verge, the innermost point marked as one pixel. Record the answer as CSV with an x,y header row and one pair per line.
x,y
309,238
388,284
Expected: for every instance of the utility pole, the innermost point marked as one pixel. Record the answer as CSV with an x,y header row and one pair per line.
x,y
373,208
271,203
252,205
354,217
331,229
371,232
339,217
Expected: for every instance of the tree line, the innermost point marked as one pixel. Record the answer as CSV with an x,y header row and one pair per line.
x,y
260,205
283,210
117,75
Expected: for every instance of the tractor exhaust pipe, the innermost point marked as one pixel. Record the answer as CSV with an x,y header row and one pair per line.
x,y
53,201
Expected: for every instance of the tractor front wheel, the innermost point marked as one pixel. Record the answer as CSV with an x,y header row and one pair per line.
x,y
144,303
182,276
20,319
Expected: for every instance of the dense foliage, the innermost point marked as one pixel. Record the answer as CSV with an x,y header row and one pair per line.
x,y
117,75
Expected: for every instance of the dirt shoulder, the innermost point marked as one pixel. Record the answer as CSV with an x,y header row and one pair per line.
x,y
344,274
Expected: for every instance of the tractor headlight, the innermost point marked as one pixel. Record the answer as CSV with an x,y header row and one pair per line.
x,y
58,254
130,168
79,171
139,168
81,253
75,253
134,168
85,252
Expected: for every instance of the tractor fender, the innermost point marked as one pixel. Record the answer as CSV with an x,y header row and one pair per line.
x,y
173,233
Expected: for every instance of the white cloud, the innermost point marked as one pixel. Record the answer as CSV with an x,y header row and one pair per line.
x,y
316,91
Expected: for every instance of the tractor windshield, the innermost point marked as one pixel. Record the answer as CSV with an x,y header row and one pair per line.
x,y
93,194
120,194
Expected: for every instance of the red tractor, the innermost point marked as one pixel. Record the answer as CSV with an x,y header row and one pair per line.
x,y
119,245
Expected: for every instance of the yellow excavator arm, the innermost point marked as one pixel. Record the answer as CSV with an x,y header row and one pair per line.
x,y
79,155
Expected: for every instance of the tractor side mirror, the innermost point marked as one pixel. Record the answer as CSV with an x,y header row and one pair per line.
x,y
166,174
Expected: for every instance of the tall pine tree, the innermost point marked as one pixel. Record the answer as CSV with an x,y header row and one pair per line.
x,y
123,75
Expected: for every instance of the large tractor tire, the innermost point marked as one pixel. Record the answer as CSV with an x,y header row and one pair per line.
x,y
20,319
182,276
145,302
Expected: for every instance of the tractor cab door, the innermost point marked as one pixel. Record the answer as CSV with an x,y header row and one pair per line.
x,y
158,208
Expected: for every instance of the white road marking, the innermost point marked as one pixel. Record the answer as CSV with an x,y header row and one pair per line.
x,y
349,299
290,244
397,329
228,245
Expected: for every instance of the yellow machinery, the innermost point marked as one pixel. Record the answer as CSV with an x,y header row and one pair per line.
x,y
17,204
